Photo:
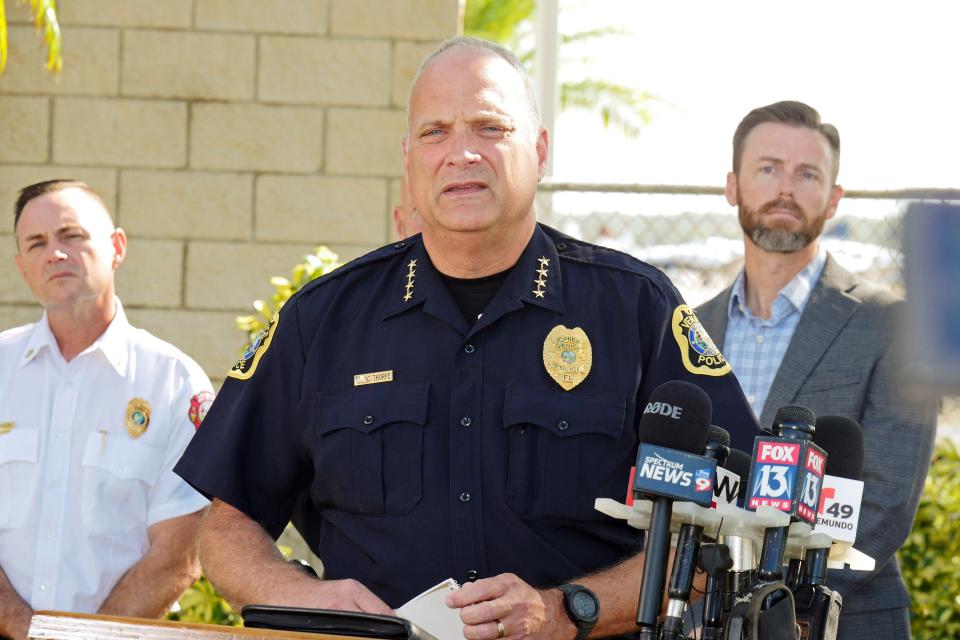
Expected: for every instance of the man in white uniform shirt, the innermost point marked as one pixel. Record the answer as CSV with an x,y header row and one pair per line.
x,y
94,413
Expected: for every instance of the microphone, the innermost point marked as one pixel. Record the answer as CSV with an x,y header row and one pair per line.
x,y
673,426
688,548
817,607
786,474
743,549
715,559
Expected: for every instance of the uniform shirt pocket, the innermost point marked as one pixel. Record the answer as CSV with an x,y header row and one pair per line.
x,y
118,474
19,452
562,448
370,448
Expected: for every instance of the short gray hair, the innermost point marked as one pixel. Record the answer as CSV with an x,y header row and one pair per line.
x,y
490,48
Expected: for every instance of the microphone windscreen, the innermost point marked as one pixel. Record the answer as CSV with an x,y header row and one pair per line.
x,y
718,435
842,439
738,462
677,416
794,414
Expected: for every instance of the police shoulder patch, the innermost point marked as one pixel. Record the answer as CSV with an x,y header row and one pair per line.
x,y
698,352
247,364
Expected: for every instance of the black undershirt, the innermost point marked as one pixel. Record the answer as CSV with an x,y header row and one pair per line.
x,y
474,294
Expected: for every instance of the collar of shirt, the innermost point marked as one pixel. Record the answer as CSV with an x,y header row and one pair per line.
x,y
112,343
792,298
536,280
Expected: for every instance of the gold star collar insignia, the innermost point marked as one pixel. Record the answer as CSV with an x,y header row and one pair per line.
x,y
541,280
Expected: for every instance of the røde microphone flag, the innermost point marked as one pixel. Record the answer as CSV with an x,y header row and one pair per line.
x,y
673,426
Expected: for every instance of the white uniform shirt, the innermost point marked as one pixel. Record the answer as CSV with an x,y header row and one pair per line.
x,y
77,490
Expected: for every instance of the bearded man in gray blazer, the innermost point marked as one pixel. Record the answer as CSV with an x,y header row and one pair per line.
x,y
799,329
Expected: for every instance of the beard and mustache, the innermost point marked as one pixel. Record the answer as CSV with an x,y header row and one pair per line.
x,y
777,237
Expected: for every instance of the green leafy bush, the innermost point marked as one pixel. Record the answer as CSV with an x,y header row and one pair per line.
x,y
930,559
314,265
201,602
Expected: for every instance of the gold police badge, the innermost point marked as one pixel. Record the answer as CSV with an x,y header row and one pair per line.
x,y
6,427
138,417
567,356
697,350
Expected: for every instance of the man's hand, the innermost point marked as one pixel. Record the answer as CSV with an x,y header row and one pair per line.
x,y
15,613
346,595
522,611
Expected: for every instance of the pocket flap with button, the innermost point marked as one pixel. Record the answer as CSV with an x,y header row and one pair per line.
x,y
19,445
123,457
563,413
370,407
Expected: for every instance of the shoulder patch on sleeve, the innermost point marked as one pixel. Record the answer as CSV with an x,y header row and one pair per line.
x,y
199,405
699,354
247,364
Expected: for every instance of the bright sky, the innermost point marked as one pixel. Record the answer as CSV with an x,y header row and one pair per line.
x,y
887,74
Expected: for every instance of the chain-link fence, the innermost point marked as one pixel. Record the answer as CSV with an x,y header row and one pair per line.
x,y
693,235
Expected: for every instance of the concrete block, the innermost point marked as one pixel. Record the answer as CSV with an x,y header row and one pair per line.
x,y
18,315
176,64
209,337
90,66
263,16
185,204
15,177
127,13
407,57
231,275
24,128
152,273
365,142
13,289
321,209
252,137
408,19
321,71
137,133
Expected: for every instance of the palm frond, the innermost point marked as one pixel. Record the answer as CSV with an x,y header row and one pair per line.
x,y
44,14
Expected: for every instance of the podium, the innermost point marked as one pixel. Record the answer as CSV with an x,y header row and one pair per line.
x,y
56,625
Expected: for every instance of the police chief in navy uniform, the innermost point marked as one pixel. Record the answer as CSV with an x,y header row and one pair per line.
x,y
452,405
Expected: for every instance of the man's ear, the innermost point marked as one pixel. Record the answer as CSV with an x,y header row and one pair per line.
x,y
542,151
835,194
119,240
730,191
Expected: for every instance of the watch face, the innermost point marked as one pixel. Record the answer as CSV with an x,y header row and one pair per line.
x,y
584,605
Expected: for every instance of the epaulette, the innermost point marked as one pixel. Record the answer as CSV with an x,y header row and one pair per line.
x,y
377,255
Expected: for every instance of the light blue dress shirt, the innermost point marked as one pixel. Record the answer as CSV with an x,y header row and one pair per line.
x,y
755,346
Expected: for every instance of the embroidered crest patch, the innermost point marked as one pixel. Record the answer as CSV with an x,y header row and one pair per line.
x,y
247,364
199,405
698,352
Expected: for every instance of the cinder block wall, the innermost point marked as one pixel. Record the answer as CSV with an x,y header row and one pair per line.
x,y
229,138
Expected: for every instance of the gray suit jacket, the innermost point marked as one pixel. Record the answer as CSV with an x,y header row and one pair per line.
x,y
842,360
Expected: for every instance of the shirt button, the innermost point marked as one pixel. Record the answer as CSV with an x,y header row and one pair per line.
x,y
367,419
51,535
752,399
561,246
464,497
465,421
563,425
43,587
469,348
399,245
759,339
472,575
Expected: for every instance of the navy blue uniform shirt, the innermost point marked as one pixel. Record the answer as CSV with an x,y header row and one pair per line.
x,y
409,447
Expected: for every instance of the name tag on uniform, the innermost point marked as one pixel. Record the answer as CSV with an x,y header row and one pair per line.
x,y
372,378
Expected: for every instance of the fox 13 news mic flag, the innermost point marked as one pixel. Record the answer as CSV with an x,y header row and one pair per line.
x,y
673,426
818,607
689,539
786,474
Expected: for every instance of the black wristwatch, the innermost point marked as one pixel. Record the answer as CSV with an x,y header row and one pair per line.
x,y
582,606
